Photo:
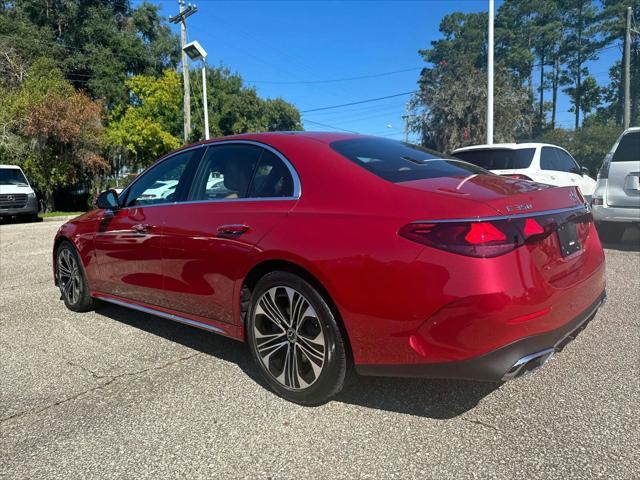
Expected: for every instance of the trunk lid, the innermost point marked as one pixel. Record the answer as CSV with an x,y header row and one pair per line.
x,y
505,195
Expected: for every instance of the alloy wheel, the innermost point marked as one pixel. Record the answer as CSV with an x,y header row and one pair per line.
x,y
69,276
289,337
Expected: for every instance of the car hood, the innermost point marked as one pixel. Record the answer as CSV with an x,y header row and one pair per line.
x,y
9,189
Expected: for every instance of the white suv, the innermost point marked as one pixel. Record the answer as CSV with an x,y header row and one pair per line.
x,y
17,198
616,200
539,162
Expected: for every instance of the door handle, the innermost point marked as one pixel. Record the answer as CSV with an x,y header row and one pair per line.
x,y
232,230
141,228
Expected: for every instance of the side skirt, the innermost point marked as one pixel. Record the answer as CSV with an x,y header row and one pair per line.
x,y
220,328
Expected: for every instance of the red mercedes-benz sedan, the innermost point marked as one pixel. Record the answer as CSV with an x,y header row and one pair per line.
x,y
328,251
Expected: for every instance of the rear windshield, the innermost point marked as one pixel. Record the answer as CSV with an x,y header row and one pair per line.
x,y
401,162
628,149
12,176
499,158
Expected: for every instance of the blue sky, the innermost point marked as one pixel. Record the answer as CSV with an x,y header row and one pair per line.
x,y
274,43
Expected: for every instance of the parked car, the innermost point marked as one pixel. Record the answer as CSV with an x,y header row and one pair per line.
x,y
616,200
539,162
335,250
17,198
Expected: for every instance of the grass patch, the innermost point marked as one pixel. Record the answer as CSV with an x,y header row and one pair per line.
x,y
60,214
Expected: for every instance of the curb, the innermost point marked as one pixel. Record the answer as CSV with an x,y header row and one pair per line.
x,y
61,218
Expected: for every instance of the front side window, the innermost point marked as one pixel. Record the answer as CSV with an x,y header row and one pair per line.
x,y
498,158
401,162
628,149
163,183
566,162
225,172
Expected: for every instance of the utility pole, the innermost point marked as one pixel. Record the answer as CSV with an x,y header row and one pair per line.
x,y
627,72
181,18
490,77
405,118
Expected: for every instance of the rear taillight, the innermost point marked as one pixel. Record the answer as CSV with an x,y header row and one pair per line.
x,y
603,173
517,176
487,239
597,201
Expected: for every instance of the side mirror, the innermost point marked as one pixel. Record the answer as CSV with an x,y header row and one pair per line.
x,y
584,171
108,200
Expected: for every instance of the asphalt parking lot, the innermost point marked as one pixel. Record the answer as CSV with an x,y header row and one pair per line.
x,y
119,394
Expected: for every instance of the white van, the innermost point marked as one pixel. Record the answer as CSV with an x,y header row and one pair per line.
x,y
17,198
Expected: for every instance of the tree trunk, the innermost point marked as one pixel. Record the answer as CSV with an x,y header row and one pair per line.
x,y
554,91
49,204
578,93
541,120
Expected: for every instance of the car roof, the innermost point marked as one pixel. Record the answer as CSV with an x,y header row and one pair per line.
x,y
324,137
10,166
509,146
631,129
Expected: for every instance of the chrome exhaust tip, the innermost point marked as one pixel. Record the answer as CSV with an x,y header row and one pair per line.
x,y
528,364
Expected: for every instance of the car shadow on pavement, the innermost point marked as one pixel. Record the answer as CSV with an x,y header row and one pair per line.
x,y
438,399
630,241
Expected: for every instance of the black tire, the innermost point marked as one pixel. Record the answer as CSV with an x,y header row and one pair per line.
x,y
72,279
318,365
611,232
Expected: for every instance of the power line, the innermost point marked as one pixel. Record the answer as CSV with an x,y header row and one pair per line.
x,y
337,80
360,102
329,126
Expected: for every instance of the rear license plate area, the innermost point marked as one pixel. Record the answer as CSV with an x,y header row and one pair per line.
x,y
568,238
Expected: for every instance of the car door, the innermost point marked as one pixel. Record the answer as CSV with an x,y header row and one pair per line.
x,y
240,192
623,183
128,242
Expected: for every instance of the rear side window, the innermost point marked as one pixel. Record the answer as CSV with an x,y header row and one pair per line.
x,y
557,160
499,158
628,149
272,178
401,162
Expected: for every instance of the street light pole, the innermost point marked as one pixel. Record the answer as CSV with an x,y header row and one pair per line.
x,y
490,77
627,72
181,18
204,99
195,52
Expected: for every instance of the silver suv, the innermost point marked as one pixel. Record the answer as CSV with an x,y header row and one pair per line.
x,y
616,199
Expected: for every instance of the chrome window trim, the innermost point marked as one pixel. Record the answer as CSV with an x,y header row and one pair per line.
x,y
297,186
158,313
579,208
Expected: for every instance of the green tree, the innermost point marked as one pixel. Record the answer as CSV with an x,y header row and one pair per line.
x,y
581,46
450,109
150,125
96,43
614,18
234,108
56,130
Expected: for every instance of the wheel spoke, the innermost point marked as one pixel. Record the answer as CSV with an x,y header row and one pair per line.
x,y
289,337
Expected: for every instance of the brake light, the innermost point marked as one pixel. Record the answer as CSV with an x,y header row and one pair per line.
x,y
603,173
517,176
485,239
484,232
532,227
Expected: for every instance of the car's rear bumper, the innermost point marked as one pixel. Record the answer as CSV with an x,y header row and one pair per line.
x,y
603,213
503,363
